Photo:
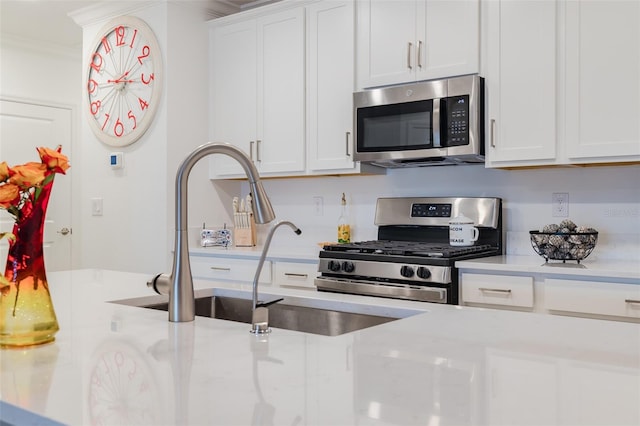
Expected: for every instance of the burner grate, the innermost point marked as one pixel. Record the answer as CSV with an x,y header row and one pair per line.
x,y
409,248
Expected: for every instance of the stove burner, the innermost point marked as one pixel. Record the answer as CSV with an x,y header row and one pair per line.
x,y
408,248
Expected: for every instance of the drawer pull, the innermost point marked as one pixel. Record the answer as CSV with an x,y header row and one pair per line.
x,y
632,301
291,274
218,268
495,290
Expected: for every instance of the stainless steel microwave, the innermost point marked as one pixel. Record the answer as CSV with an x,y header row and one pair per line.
x,y
421,124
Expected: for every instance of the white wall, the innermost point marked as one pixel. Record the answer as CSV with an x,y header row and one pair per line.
x,y
606,198
135,232
48,75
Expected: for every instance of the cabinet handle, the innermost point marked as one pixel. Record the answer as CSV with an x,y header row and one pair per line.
x,y
258,159
409,48
251,143
493,127
632,301
218,268
420,54
494,290
346,142
291,274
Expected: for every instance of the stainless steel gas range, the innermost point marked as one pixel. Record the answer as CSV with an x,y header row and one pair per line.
x,y
412,258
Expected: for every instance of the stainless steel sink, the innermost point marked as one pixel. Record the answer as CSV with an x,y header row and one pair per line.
x,y
290,314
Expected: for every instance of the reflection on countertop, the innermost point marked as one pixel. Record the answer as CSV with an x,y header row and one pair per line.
x,y
113,364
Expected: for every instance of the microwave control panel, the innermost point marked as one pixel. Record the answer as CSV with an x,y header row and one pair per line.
x,y
456,111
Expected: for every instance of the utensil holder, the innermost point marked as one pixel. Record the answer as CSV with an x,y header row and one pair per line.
x,y
246,236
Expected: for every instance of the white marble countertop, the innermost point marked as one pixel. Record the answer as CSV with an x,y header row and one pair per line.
x,y
306,253
622,269
113,364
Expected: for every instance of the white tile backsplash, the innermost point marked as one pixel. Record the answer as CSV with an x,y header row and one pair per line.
x,y
606,198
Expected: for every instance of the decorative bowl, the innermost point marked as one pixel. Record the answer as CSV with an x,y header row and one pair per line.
x,y
564,245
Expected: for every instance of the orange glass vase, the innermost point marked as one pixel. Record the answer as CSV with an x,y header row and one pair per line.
x,y
27,316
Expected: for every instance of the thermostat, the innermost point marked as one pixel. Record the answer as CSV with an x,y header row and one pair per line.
x,y
115,160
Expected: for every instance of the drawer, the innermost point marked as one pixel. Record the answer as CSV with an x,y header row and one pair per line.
x,y
502,290
292,274
601,298
224,269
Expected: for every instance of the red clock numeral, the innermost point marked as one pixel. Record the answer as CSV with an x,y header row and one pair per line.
x,y
95,106
132,117
92,85
106,45
106,120
143,104
120,36
96,61
145,53
118,128
151,77
135,33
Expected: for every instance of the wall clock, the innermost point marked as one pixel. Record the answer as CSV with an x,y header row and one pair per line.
x,y
123,81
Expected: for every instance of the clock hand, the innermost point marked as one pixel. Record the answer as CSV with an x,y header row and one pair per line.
x,y
121,79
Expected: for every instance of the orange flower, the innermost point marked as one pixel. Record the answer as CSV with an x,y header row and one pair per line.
x,y
4,171
53,159
28,175
9,195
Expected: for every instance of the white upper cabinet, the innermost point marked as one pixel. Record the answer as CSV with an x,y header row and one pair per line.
x,y
562,81
521,80
330,50
257,99
401,41
233,91
603,80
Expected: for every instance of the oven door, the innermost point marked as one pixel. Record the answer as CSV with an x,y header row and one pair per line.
x,y
435,293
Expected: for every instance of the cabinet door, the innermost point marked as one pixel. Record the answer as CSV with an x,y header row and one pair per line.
x,y
386,32
233,92
448,38
521,81
280,71
330,50
603,80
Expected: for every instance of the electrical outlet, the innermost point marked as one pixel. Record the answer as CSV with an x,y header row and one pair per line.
x,y
318,204
560,204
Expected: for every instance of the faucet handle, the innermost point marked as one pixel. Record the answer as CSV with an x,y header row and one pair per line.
x,y
269,303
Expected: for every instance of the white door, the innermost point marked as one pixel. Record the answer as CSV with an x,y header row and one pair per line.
x,y
386,40
330,86
23,128
521,82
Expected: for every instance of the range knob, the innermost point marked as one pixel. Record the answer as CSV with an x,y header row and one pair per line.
x,y
423,272
348,266
334,265
406,271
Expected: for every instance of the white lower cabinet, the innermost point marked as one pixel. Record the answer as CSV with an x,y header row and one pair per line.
x,y
501,290
582,296
599,298
226,269
295,274
290,273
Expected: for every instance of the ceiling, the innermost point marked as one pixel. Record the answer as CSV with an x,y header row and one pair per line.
x,y
47,21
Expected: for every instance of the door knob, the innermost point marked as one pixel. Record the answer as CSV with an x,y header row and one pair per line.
x,y
64,231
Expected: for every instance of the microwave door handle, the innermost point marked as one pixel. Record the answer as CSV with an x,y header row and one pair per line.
x,y
435,126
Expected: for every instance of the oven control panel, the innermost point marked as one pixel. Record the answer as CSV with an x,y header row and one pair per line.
x,y
430,210
385,270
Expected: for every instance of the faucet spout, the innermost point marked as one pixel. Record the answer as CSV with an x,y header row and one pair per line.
x,y
260,314
180,282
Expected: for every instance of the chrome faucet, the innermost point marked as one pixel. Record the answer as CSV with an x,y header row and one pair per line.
x,y
259,312
179,284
